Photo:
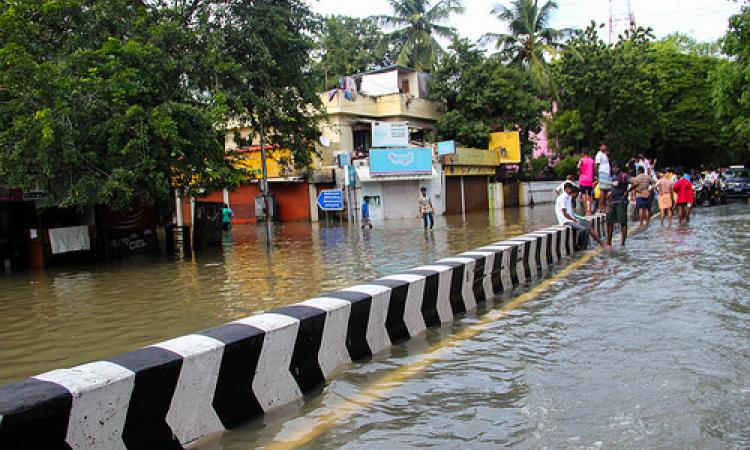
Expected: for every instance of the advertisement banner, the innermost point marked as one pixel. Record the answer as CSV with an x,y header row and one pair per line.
x,y
390,134
446,147
508,145
401,161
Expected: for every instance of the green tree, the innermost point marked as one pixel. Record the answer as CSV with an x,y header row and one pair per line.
x,y
530,42
92,110
349,45
483,95
688,132
417,22
260,61
611,88
731,84
121,101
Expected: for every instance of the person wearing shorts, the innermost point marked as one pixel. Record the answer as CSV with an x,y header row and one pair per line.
x,y
618,205
604,175
643,185
586,180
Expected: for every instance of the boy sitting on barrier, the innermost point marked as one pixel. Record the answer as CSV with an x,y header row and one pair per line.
x,y
566,216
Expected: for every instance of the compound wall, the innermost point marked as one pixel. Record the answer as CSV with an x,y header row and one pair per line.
x,y
171,394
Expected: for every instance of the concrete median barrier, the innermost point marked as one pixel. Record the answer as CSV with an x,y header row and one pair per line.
x,y
172,394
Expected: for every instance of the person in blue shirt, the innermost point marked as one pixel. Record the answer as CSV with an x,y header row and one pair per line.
x,y
226,217
366,212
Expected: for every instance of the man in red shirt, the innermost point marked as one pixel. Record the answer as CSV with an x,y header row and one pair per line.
x,y
683,188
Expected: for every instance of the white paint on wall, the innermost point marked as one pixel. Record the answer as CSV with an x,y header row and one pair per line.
x,y
377,335
273,384
445,312
101,395
333,353
487,278
413,310
467,286
191,414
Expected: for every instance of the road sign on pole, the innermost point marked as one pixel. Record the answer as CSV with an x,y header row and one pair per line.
x,y
331,200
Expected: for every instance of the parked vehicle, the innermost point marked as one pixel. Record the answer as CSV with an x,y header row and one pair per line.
x,y
737,181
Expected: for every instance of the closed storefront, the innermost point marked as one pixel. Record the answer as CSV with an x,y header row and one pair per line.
x,y
467,175
466,194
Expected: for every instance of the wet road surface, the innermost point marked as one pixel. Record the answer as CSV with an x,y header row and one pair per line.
x,y
642,347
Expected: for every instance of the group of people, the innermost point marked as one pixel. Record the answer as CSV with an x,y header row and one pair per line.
x,y
607,187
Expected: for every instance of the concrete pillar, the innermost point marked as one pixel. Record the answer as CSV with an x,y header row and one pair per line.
x,y
226,197
178,207
313,197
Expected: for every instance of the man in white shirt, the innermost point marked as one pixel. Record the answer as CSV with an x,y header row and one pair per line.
x,y
566,216
604,175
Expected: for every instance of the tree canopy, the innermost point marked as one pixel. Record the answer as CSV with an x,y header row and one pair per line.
x,y
418,23
121,101
349,45
530,42
483,94
731,84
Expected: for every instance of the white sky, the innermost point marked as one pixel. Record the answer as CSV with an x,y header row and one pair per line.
x,y
705,20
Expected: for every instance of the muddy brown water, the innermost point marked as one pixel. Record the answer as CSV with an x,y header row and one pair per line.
x,y
643,347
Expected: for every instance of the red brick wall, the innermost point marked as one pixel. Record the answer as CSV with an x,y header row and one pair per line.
x,y
292,201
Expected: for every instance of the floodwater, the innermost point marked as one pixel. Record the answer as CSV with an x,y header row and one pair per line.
x,y
67,316
642,347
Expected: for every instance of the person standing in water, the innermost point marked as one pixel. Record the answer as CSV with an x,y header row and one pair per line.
x,y
425,208
604,175
666,197
226,217
366,213
643,185
685,198
586,180
618,204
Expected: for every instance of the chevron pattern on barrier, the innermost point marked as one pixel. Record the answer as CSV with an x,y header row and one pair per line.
x,y
171,394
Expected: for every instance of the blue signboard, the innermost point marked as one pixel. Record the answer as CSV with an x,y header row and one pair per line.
x,y
446,147
331,200
401,161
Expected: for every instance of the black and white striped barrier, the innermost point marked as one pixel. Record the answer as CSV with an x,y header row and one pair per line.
x,y
174,393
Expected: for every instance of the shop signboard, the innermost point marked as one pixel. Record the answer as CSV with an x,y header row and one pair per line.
x,y
401,161
446,147
472,157
455,171
508,145
390,134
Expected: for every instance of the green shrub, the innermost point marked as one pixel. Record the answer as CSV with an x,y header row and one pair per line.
x,y
568,166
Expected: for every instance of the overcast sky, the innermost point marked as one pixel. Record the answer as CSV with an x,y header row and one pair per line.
x,y
706,20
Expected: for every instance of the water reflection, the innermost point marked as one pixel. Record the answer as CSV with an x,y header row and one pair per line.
x,y
70,315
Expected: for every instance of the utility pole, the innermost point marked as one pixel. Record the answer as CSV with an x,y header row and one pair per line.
x,y
264,185
621,18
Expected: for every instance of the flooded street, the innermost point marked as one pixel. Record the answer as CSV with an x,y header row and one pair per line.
x,y
67,316
647,347
642,347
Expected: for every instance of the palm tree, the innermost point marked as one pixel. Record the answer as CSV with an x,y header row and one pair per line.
x,y
417,23
530,41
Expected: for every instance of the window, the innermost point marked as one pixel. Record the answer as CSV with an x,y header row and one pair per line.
x,y
404,86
